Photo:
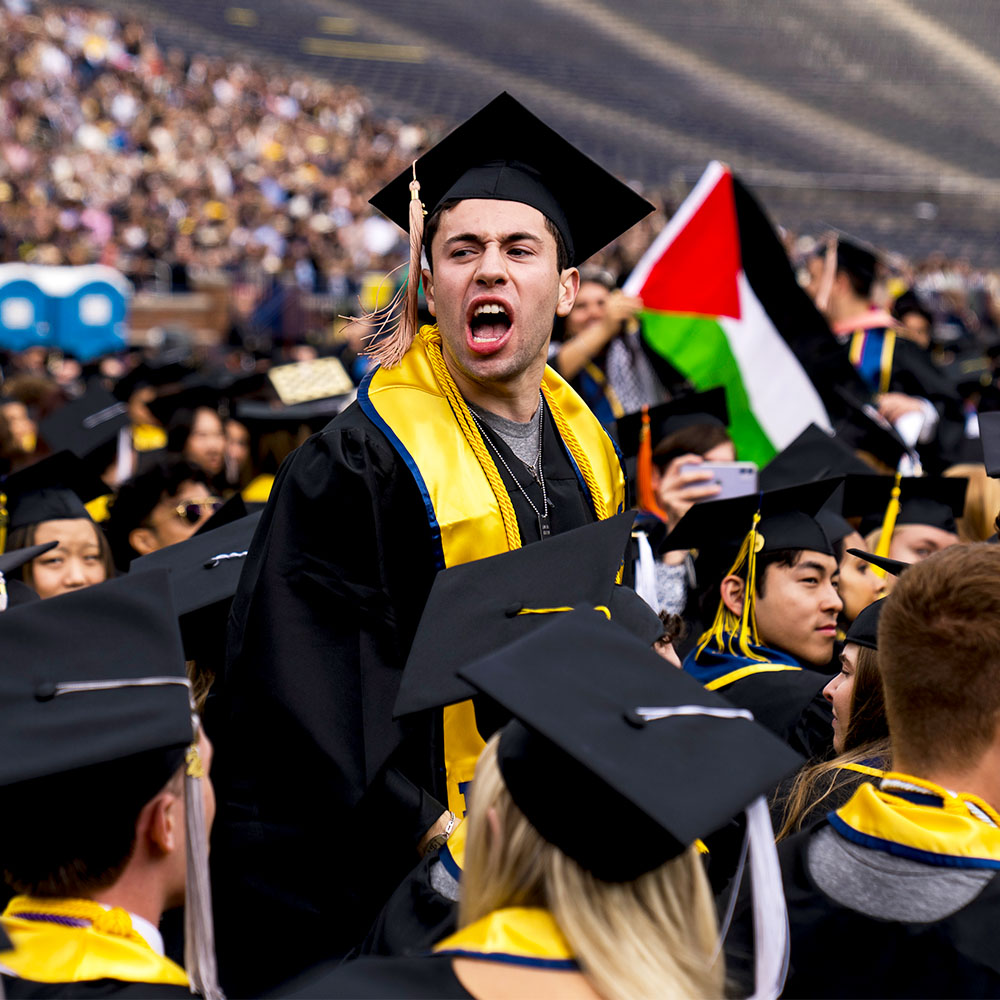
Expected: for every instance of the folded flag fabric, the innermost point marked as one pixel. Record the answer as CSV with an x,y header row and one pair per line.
x,y
722,305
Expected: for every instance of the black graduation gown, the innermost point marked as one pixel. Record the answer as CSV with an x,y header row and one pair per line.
x,y
422,978
838,952
16,989
322,797
791,704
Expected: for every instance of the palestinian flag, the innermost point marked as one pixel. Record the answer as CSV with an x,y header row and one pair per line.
x,y
723,307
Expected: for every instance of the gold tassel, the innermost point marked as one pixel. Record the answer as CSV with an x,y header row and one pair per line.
x,y
743,627
888,525
4,521
387,349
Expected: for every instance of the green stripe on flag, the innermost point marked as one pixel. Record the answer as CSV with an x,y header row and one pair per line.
x,y
698,348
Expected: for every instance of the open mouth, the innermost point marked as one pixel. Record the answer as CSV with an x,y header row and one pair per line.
x,y
489,323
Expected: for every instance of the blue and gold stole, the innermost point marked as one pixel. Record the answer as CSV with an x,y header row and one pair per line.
x,y
78,940
418,408
871,352
519,935
916,819
715,669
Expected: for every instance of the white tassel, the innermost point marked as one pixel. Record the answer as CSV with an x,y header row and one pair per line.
x,y
199,930
645,574
770,914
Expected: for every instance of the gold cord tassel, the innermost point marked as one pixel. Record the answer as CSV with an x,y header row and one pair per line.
x,y
743,627
4,521
888,524
387,349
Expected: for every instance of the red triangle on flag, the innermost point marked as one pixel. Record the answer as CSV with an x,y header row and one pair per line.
x,y
698,270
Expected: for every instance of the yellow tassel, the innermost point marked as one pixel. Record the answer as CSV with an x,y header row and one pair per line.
x,y
387,349
4,521
742,628
888,524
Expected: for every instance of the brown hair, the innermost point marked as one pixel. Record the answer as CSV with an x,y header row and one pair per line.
x,y
866,738
982,501
939,652
24,536
696,439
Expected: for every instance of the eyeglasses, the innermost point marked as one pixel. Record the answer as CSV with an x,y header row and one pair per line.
x,y
193,511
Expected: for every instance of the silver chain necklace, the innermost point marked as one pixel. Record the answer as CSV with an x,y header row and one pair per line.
x,y
544,526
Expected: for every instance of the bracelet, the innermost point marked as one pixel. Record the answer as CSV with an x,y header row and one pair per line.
x,y
440,839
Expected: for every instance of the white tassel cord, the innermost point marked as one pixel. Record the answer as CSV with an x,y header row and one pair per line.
x,y
770,914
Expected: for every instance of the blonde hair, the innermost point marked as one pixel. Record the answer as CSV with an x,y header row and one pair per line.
x,y
655,936
982,502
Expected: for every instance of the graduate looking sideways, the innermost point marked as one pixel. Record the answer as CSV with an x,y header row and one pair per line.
x,y
776,607
462,444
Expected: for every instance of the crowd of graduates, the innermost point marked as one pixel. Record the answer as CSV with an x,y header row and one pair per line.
x,y
480,660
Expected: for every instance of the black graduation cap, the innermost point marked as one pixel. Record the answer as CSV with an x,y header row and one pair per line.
x,y
72,704
161,371
594,749
813,455
14,593
265,415
668,418
87,424
55,488
232,510
504,152
196,394
204,572
856,259
863,631
989,437
933,500
481,605
788,521
894,567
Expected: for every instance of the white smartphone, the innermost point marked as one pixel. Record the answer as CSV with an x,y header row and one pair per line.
x,y
736,479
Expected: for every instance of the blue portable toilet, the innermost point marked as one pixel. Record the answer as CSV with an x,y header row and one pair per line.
x,y
24,309
87,306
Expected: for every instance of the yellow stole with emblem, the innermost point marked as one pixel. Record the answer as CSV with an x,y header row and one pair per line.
x,y
77,940
521,935
419,409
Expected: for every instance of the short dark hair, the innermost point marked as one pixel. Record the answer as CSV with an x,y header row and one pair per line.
x,y
861,284
695,439
434,221
75,832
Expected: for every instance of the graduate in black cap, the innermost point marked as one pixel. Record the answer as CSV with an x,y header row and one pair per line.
x,y
895,893
15,592
46,502
582,873
900,376
776,607
105,786
461,445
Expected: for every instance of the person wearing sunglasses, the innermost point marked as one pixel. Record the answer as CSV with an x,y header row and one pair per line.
x,y
166,504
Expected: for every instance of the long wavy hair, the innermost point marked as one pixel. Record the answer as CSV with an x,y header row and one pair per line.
x,y
653,937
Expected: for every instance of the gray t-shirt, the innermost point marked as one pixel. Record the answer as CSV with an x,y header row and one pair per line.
x,y
522,439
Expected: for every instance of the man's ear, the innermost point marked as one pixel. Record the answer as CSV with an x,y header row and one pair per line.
x,y
569,285
142,540
428,280
731,590
160,822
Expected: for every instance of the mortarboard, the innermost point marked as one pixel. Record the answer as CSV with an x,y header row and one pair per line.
x,y
595,749
14,593
232,510
506,153
157,372
856,259
265,415
933,500
989,437
196,394
863,631
813,455
482,605
306,381
748,526
204,571
86,424
53,489
106,725
668,418
894,567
